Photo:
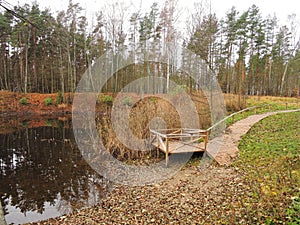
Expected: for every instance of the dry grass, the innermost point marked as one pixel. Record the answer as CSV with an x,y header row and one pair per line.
x,y
276,102
234,103
142,113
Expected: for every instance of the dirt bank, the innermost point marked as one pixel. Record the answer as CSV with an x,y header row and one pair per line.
x,y
35,105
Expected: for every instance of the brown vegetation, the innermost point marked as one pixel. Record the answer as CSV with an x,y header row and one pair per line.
x,y
10,105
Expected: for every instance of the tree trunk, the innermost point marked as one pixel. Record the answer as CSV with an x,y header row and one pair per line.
x,y
269,79
26,69
62,79
35,59
283,77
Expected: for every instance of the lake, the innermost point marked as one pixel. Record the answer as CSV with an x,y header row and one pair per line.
x,y
42,172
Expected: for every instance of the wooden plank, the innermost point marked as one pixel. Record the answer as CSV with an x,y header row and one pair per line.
x,y
176,131
182,147
190,130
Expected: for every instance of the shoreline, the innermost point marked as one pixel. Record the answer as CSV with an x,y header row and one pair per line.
x,y
35,105
50,113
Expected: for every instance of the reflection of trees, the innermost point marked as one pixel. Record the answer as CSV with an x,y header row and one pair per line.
x,y
43,164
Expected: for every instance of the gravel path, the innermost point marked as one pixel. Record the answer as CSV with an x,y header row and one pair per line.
x,y
224,149
190,197
196,195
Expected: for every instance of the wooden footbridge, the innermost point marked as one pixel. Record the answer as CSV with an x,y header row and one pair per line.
x,y
183,140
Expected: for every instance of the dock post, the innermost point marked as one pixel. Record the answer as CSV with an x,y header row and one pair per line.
x,y
206,139
2,218
157,149
167,151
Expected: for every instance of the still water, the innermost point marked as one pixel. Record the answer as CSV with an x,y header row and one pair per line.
x,y
42,173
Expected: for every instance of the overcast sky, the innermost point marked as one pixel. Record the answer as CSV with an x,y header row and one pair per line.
x,y
282,8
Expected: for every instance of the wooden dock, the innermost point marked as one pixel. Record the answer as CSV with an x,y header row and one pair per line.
x,y
179,140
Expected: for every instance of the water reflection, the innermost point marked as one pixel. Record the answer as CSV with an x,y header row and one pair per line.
x,y
42,174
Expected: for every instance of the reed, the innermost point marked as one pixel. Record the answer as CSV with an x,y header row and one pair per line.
x,y
142,114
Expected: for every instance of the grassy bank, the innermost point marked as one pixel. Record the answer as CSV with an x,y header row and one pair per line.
x,y
270,159
264,104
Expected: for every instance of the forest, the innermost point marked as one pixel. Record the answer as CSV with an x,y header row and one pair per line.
x,y
48,52
48,160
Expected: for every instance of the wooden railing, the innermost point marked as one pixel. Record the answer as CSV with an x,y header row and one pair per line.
x,y
164,136
184,137
245,110
236,113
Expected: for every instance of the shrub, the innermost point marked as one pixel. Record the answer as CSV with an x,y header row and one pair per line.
x,y
23,101
49,123
152,99
24,123
108,99
105,98
48,101
59,98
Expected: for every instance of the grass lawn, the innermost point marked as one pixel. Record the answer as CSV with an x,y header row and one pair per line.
x,y
270,160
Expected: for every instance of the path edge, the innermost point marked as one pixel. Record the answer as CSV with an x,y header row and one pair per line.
x,y
215,153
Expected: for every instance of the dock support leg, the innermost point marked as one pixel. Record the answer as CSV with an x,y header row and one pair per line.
x,y
206,139
2,218
205,143
167,151
157,149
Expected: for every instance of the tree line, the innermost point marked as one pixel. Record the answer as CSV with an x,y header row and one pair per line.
x,y
46,52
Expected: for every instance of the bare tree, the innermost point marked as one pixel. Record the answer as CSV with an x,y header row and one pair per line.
x,y
169,17
294,46
115,14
